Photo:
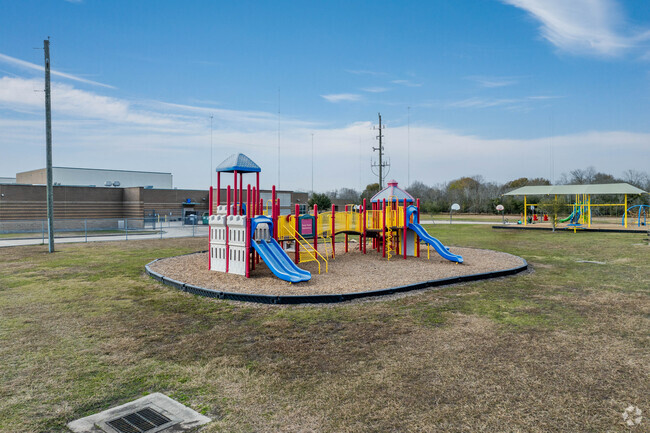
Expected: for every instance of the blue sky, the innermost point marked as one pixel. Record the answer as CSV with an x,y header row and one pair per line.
x,y
503,89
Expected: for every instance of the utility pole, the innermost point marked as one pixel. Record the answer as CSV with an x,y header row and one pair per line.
x,y
381,163
48,149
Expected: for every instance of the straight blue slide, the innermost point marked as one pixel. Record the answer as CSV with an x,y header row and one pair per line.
x,y
279,262
435,243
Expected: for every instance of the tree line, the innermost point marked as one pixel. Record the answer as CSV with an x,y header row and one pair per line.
x,y
476,195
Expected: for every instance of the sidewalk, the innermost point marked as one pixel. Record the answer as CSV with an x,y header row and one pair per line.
x,y
167,232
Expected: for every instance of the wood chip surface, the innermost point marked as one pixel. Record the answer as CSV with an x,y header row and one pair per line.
x,y
348,272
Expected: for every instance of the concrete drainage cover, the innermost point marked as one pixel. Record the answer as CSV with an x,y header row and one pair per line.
x,y
150,414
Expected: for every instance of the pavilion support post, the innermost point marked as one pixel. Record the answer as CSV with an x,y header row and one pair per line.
x,y
525,211
625,210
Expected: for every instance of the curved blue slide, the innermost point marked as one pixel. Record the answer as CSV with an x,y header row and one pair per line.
x,y
279,262
435,243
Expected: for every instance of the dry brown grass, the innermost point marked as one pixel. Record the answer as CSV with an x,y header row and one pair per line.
x,y
562,349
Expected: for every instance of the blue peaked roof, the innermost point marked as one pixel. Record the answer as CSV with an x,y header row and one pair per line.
x,y
238,162
392,193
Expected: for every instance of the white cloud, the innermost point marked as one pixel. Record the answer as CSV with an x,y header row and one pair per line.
x,y
32,66
364,72
92,130
508,103
375,89
406,83
491,82
583,26
342,97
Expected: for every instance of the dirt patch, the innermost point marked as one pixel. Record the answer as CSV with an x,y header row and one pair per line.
x,y
348,272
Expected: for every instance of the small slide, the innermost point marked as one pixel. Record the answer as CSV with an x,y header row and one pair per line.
x,y
279,262
570,217
435,243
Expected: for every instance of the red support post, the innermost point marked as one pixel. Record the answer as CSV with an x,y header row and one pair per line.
x,y
346,235
315,226
209,229
363,218
257,197
253,203
227,231
248,231
404,243
210,200
274,235
296,258
333,231
218,188
277,219
235,195
384,227
417,238
241,194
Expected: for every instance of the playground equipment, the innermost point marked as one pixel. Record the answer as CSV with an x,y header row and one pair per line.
x,y
242,234
582,205
642,212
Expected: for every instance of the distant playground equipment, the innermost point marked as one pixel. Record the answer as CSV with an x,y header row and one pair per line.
x,y
580,217
243,233
641,214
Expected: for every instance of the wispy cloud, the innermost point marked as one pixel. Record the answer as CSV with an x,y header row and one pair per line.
x,y
342,97
492,82
482,103
595,27
32,66
406,83
364,72
375,89
518,104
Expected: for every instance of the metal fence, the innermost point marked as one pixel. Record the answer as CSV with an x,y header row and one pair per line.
x,y
30,232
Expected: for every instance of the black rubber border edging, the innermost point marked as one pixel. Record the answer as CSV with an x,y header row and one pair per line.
x,y
326,299
569,229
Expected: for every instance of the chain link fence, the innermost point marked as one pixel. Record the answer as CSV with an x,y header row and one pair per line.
x,y
30,232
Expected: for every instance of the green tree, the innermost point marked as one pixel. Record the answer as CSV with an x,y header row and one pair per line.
x,y
370,190
322,200
553,206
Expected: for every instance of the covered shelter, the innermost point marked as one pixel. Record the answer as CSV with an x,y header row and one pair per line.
x,y
238,164
583,192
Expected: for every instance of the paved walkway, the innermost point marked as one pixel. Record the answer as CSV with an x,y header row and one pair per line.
x,y
174,231
167,232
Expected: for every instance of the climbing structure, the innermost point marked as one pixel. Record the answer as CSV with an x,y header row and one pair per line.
x,y
242,234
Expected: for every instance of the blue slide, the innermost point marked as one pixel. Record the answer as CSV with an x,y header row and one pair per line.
x,y
435,243
279,262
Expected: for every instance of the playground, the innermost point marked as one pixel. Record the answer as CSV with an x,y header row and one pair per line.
x,y
372,249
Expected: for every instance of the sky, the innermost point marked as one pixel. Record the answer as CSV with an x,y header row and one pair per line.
x,y
498,88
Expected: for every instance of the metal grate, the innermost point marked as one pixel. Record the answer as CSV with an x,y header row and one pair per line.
x,y
144,420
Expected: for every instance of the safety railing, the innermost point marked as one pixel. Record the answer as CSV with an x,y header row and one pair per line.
x,y
311,252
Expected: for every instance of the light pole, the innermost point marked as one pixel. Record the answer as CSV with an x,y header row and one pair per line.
x,y
312,163
211,163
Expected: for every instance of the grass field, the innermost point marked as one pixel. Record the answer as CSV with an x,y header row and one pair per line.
x,y
564,348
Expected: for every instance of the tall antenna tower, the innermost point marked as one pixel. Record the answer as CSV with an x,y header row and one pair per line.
x,y
382,163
